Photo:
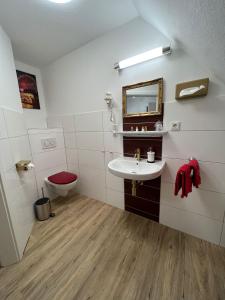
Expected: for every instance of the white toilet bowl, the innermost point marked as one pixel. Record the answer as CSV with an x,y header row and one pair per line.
x,y
61,187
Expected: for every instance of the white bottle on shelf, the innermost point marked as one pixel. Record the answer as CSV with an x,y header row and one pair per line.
x,y
151,156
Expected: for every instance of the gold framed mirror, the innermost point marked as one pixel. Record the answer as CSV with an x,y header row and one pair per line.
x,y
143,99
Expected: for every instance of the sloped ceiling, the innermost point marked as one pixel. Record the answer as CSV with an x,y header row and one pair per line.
x,y
42,31
197,25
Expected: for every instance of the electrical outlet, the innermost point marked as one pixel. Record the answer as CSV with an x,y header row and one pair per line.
x,y
175,126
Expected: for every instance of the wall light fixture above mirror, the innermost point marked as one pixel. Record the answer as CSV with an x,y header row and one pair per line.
x,y
143,99
151,54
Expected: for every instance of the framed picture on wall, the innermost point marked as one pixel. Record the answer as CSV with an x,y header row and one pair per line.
x,y
28,90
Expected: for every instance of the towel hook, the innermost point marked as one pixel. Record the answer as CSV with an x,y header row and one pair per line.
x,y
191,158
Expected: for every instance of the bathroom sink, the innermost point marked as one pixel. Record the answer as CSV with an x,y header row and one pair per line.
x,y
130,168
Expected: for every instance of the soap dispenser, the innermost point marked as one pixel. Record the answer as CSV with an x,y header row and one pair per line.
x,y
151,156
158,126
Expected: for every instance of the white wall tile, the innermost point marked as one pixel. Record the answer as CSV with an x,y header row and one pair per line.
x,y
115,198
72,159
209,204
113,143
6,157
36,140
70,140
8,251
197,114
54,122
108,125
21,193
194,224
92,159
90,140
114,182
92,183
110,156
34,120
68,123
199,144
44,130
20,148
89,121
212,174
200,133
49,160
222,242
15,123
3,131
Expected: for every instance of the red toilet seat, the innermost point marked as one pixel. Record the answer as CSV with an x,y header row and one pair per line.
x,y
63,178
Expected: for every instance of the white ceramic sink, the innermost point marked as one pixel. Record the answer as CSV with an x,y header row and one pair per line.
x,y
130,168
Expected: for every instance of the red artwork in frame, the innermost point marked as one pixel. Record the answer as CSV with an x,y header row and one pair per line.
x,y
28,90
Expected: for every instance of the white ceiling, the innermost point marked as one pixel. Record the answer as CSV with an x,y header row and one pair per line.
x,y
42,31
196,25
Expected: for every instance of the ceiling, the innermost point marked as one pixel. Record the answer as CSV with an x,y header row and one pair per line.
x,y
42,31
196,25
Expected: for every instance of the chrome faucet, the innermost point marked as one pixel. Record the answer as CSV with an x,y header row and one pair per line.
x,y
138,154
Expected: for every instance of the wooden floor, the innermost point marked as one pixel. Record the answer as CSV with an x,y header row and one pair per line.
x,y
94,251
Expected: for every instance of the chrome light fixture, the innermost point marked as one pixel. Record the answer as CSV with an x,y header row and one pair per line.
x,y
151,54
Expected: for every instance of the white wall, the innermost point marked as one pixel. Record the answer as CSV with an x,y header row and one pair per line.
x,y
202,136
90,145
9,97
8,249
77,83
18,189
34,118
9,92
47,161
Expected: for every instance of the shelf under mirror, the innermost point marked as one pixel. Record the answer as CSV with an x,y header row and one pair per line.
x,y
143,133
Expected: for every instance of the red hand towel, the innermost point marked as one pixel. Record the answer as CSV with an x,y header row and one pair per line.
x,y
196,178
183,181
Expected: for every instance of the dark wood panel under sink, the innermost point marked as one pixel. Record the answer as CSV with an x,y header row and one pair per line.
x,y
147,200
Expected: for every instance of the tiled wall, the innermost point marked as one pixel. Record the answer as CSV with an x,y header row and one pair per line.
x,y
22,189
90,145
147,200
47,161
202,136
19,187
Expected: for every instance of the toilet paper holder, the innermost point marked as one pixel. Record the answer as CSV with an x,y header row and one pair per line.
x,y
24,165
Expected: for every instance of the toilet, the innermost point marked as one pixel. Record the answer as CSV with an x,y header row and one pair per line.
x,y
61,183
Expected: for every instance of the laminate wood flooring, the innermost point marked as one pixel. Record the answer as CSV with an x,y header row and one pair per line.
x,y
92,251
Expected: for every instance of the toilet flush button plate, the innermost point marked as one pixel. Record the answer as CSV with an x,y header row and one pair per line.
x,y
48,143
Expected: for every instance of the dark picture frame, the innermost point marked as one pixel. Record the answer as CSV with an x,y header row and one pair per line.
x,y
28,90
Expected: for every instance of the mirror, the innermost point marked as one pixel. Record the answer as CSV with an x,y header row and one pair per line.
x,y
143,99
